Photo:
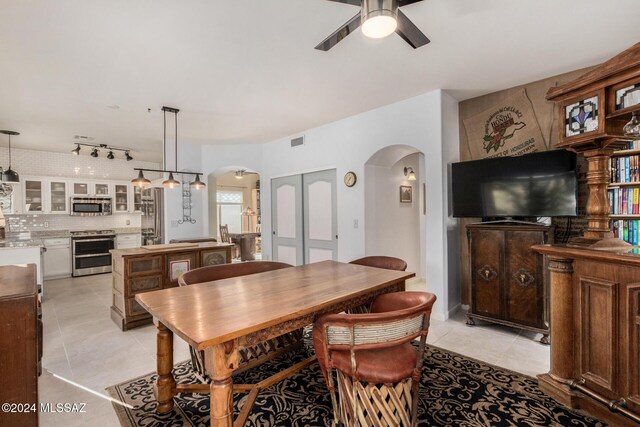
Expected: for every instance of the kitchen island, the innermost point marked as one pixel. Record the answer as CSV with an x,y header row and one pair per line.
x,y
155,267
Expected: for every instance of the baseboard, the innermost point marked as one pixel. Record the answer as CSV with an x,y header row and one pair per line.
x,y
454,310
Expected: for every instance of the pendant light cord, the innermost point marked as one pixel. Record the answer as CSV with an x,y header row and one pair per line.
x,y
164,140
176,113
9,151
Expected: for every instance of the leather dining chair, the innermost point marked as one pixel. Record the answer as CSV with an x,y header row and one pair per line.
x,y
377,369
386,262
258,353
377,261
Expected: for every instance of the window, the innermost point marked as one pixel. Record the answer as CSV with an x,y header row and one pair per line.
x,y
230,209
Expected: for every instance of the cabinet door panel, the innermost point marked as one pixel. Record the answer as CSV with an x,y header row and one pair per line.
x,y
599,355
524,299
486,271
633,321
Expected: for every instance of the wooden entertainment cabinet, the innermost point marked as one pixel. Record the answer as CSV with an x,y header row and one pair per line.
x,y
508,279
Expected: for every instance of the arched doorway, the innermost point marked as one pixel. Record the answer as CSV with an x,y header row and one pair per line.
x,y
395,206
234,200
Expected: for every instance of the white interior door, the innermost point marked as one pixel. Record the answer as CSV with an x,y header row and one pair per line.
x,y
320,216
286,217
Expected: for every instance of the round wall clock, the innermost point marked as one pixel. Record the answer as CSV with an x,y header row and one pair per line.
x,y
350,179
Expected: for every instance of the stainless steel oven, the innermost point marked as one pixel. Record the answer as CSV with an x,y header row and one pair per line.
x,y
91,206
90,252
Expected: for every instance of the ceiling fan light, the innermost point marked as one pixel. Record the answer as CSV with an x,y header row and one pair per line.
x,y
379,24
171,182
239,174
140,181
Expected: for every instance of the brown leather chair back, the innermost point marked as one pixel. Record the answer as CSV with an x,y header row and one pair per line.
x,y
194,240
225,271
386,262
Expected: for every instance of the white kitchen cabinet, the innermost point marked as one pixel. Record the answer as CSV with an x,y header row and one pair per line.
x,y
80,188
57,258
101,189
127,241
33,195
121,203
57,200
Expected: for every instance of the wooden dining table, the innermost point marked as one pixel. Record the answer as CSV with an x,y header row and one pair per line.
x,y
224,316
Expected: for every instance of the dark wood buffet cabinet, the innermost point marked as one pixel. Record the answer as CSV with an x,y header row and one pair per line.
x,y
152,268
20,343
508,279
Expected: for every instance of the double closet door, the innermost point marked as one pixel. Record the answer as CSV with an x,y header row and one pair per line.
x,y
304,218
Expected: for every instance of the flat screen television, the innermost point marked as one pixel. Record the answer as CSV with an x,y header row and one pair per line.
x,y
541,184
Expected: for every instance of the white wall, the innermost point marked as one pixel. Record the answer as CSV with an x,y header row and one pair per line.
x,y
390,226
347,145
188,160
451,154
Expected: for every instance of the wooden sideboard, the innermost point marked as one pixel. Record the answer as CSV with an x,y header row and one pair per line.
x,y
508,279
595,331
142,270
20,343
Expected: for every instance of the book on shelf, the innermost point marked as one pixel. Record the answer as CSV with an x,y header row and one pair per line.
x,y
627,230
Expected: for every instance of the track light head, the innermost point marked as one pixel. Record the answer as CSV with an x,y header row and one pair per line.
x,y
129,158
110,155
76,150
94,152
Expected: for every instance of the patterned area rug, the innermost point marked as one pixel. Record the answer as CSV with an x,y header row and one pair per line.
x,y
455,391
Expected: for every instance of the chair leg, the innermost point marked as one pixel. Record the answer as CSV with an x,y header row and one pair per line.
x,y
334,400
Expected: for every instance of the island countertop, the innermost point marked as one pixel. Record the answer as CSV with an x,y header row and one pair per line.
x,y
170,247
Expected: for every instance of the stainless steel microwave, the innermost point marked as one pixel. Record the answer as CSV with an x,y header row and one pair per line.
x,y
91,206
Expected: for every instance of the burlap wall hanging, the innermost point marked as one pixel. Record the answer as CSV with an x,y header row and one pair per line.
x,y
509,128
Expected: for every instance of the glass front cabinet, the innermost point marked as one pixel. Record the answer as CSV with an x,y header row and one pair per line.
x,y
121,198
58,199
33,195
101,189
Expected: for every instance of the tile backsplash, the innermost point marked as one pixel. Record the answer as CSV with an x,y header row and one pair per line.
x,y
22,223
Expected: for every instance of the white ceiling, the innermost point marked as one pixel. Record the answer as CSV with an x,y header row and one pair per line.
x,y
246,71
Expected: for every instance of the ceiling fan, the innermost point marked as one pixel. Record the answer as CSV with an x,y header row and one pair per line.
x,y
379,18
240,173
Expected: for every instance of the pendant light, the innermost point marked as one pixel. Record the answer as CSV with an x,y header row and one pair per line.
x,y
197,184
140,181
9,175
171,182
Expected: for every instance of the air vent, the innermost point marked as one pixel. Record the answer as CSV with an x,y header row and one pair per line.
x,y
297,142
83,138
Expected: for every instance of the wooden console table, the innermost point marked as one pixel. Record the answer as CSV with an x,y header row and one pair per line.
x,y
595,331
224,316
140,270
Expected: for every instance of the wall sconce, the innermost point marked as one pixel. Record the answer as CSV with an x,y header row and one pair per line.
x,y
408,172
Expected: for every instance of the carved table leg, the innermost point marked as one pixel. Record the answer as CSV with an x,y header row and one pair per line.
x,y
166,384
220,362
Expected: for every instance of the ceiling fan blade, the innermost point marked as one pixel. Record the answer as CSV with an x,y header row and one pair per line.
x,y
353,2
406,2
409,32
342,32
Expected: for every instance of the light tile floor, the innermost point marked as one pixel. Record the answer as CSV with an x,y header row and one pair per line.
x,y
82,344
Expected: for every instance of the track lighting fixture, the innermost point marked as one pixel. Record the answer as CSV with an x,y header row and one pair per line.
x,y
97,147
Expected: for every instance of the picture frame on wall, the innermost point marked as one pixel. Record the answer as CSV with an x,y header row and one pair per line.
x,y
178,268
406,194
